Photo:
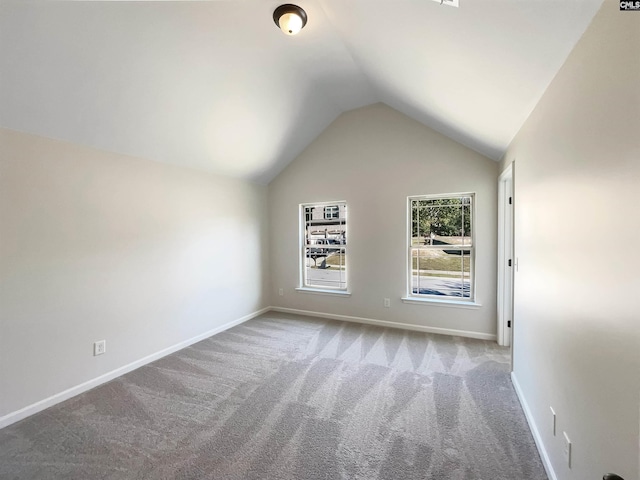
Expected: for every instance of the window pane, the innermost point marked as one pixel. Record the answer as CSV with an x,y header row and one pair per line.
x,y
441,221
416,233
443,272
326,266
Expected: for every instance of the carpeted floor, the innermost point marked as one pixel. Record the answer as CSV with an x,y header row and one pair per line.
x,y
288,397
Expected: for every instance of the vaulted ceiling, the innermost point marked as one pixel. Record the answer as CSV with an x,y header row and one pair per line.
x,y
215,85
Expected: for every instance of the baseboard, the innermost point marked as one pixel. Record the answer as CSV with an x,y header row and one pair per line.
x,y
385,323
88,385
546,462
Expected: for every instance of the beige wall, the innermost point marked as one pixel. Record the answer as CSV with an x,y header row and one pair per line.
x,y
373,158
97,245
577,327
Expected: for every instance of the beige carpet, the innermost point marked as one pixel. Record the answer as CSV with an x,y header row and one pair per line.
x,y
287,397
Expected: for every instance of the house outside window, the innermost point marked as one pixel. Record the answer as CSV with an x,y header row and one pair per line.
x,y
332,211
323,249
441,248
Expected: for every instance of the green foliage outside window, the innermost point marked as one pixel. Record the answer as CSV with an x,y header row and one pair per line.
x,y
446,217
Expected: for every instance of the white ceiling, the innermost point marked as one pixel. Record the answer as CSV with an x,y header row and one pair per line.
x,y
215,85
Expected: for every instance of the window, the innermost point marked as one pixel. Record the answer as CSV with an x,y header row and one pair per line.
x,y
308,213
441,247
332,211
323,246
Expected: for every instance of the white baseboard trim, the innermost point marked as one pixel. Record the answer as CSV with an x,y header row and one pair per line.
x,y
546,461
386,323
29,410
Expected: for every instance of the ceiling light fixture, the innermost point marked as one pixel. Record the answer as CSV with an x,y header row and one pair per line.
x,y
290,18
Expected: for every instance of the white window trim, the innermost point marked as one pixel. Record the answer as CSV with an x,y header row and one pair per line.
x,y
324,290
320,291
416,299
442,303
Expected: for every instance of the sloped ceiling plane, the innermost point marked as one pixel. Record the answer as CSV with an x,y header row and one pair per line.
x,y
216,86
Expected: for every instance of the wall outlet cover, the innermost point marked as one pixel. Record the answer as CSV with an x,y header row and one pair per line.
x,y
99,347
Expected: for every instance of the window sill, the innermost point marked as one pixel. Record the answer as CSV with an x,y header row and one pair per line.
x,y
441,303
320,291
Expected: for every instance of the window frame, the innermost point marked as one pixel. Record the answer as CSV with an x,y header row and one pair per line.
x,y
303,284
469,302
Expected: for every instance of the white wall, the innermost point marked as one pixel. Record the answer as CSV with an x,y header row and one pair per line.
x,y
97,245
373,158
577,327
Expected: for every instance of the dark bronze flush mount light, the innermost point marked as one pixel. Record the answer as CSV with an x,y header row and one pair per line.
x,y
290,18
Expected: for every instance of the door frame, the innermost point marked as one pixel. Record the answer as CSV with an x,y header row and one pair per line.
x,y
506,258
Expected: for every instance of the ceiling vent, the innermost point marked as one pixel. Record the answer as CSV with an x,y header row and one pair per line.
x,y
451,3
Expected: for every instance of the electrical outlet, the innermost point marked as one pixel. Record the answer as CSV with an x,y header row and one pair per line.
x,y
99,347
281,292
567,449
387,302
553,421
